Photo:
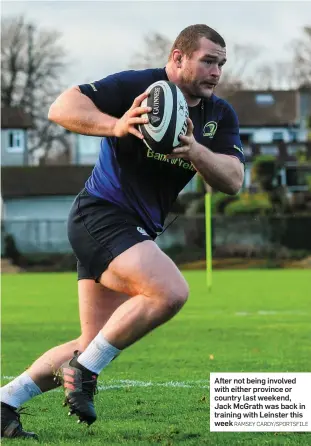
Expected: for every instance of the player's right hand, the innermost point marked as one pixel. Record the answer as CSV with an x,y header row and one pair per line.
x,y
127,124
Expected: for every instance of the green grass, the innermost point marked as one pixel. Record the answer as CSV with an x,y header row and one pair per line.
x,y
252,321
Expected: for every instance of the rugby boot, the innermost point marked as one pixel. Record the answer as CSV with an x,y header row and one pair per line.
x,y
11,427
80,386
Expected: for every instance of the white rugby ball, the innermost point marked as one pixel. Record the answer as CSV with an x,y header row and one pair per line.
x,y
168,118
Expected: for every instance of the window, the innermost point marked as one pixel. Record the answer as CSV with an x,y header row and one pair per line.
x,y
278,136
15,141
269,150
264,99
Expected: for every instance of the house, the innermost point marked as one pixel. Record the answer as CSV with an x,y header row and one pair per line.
x,y
36,201
15,124
278,123
269,117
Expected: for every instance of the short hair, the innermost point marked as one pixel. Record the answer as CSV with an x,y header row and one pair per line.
x,y
188,39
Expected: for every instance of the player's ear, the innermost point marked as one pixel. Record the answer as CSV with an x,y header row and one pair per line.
x,y
177,57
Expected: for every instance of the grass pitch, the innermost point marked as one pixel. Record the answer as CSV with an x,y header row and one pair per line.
x,y
157,392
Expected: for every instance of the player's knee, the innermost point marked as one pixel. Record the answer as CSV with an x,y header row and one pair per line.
x,y
177,297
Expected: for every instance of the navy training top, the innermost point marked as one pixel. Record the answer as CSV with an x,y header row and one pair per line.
x,y
140,180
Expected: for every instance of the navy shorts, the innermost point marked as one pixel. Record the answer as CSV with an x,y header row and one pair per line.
x,y
99,231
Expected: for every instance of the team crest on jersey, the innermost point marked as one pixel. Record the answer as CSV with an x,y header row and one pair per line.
x,y
209,129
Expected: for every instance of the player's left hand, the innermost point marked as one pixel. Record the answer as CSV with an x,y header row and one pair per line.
x,y
189,144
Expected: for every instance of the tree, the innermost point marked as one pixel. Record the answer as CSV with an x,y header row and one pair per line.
x,y
154,54
239,69
276,76
302,57
286,74
33,61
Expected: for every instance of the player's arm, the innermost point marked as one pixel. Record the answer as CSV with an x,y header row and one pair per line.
x,y
222,172
81,110
76,112
221,165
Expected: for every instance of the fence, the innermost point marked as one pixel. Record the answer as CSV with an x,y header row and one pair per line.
x,y
37,236
243,233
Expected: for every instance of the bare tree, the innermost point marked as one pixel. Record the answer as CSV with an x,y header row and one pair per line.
x,y
275,76
240,67
32,64
302,57
154,54
286,74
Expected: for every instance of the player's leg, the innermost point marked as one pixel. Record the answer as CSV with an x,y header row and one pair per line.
x,y
158,292
112,244
116,249
96,304
157,287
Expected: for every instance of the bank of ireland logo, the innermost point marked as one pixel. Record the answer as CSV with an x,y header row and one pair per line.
x,y
209,129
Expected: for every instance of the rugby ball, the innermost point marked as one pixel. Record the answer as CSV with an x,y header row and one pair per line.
x,y
167,119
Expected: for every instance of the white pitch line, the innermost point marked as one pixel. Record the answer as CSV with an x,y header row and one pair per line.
x,y
272,313
126,383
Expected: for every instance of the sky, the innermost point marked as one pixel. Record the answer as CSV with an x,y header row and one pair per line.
x,y
101,37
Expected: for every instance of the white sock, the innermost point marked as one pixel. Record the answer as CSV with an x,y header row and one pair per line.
x,y
98,354
20,390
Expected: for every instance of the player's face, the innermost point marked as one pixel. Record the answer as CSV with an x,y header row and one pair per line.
x,y
201,72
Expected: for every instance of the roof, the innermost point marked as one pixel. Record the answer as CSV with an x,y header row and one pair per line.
x,y
26,181
15,118
266,108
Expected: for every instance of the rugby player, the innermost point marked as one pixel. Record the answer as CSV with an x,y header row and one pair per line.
x,y
127,285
